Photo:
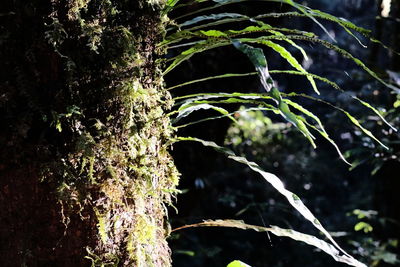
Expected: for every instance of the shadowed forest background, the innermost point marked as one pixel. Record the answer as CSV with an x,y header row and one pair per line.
x,y
360,206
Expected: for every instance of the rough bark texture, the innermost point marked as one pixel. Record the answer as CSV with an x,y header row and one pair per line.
x,y
84,173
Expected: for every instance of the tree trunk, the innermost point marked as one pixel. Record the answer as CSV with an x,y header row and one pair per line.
x,y
85,175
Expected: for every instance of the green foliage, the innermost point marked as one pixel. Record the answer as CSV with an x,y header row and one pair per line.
x,y
199,35
95,108
377,251
308,239
237,263
292,198
366,227
257,57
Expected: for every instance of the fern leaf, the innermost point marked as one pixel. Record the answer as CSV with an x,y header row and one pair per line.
x,y
272,179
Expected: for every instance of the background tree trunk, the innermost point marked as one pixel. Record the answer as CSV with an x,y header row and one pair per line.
x,y
84,173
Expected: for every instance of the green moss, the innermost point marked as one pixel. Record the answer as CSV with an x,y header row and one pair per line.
x,y
101,226
146,230
118,167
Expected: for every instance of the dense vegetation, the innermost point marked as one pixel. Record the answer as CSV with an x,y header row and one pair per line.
x,y
95,94
363,198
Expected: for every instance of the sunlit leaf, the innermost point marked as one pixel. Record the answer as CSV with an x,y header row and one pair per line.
x,y
365,131
257,57
350,117
366,227
232,75
187,109
212,17
321,130
272,179
298,236
291,60
376,112
237,263
224,116
199,47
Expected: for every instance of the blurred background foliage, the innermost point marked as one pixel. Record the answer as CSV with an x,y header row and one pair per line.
x,y
359,205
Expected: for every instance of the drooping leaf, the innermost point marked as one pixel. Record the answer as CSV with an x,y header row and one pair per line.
x,y
291,60
231,75
345,24
350,117
320,15
301,8
202,46
272,179
322,42
365,131
274,110
302,51
195,102
212,17
308,239
204,34
186,110
208,100
226,75
224,116
296,121
305,11
231,100
321,129
199,47
202,96
257,57
376,112
213,33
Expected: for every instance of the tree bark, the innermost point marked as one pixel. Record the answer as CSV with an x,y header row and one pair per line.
x,y
85,173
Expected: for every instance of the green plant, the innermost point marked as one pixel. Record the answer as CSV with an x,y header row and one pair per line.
x,y
204,31
85,148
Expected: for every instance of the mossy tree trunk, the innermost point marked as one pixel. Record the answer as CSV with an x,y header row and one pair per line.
x,y
85,173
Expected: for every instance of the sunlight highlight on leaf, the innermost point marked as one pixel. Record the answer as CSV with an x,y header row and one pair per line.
x,y
376,112
186,110
351,117
237,263
257,57
292,61
272,179
298,236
